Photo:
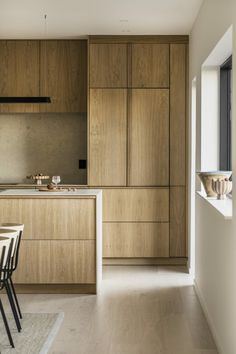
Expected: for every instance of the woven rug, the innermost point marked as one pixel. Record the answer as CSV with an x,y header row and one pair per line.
x,y
37,335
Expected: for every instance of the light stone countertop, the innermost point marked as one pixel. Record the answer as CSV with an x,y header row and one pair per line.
x,y
35,192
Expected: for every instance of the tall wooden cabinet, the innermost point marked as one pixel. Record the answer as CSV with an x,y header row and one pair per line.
x,y
108,139
108,114
148,137
137,143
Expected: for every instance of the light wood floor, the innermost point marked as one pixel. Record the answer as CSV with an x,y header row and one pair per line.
x,y
142,310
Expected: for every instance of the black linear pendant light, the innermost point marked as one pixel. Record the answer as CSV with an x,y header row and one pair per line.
x,y
19,99
27,99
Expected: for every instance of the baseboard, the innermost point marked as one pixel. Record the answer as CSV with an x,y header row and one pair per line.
x,y
145,261
191,272
55,288
208,318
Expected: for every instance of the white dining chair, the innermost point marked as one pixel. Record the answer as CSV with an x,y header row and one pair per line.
x,y
6,245
8,270
20,228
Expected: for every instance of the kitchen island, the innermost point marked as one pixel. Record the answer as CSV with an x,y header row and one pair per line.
x,y
61,249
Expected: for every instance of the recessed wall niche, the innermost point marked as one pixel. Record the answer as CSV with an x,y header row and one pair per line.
x,y
43,143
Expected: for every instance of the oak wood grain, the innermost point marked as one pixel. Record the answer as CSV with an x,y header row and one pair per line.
x,y
178,114
19,73
108,65
49,218
139,39
135,240
56,262
107,137
178,222
150,65
63,75
137,205
149,138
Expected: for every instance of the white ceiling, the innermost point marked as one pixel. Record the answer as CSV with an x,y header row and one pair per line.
x,y
78,18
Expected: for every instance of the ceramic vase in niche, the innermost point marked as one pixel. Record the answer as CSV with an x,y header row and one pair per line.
x,y
207,177
221,187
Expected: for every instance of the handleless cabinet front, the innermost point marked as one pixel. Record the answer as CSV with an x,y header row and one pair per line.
x,y
107,137
148,138
19,73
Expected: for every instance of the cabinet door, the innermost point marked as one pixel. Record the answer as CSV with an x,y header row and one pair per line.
x,y
149,137
135,240
19,73
136,205
107,137
63,74
178,114
108,65
150,65
48,218
56,262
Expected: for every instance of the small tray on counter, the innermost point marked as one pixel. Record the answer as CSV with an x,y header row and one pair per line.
x,y
52,190
58,189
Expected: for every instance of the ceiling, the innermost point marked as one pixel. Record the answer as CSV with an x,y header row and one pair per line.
x,y
78,18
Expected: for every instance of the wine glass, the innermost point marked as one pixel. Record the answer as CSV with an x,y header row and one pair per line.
x,y
56,180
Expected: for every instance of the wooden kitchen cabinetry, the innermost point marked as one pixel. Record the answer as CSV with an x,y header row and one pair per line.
x,y
136,222
148,137
178,77
56,262
61,243
144,151
19,73
136,205
178,244
58,217
107,137
150,65
141,240
63,75
108,65
54,68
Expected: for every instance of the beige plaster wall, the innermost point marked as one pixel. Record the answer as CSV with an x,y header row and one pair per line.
x,y
42,143
215,237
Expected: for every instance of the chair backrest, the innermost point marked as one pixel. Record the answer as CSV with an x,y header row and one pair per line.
x,y
13,226
20,228
6,246
5,243
13,234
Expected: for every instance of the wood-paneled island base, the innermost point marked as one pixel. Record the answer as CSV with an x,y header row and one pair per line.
x,y
61,249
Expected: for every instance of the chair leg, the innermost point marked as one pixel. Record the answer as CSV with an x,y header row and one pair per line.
x,y
11,301
15,298
6,325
